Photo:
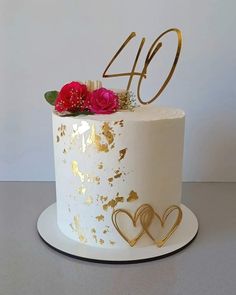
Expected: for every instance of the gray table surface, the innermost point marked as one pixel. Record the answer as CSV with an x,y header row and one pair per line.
x,y
30,267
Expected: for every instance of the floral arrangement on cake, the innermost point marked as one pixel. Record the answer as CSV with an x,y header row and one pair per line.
x,y
77,98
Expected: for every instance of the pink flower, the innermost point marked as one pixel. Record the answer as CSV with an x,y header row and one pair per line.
x,y
103,101
73,97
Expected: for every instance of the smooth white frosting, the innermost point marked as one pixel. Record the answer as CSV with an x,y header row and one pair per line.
x,y
152,168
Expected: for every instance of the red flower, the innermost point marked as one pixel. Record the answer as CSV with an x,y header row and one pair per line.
x,y
103,101
73,97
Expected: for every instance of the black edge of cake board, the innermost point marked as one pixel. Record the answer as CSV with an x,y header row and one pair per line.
x,y
118,262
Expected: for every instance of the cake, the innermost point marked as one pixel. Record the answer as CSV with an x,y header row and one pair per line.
x,y
116,161
118,165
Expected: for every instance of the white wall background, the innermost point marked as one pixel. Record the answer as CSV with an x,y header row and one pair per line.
x,y
47,43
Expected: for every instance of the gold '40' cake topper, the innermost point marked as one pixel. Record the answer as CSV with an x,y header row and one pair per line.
x,y
155,47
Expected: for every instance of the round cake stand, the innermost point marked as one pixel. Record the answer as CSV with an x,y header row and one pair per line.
x,y
52,236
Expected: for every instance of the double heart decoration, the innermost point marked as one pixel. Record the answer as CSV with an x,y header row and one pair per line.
x,y
145,214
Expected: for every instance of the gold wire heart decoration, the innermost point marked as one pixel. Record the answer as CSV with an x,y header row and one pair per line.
x,y
141,210
145,224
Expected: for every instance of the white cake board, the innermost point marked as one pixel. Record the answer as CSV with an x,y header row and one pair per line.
x,y
51,235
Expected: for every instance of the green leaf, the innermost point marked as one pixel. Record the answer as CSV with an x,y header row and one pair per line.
x,y
51,96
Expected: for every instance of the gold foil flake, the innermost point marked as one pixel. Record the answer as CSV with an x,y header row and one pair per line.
x,y
75,225
133,196
112,203
93,230
110,179
76,171
64,151
81,190
97,180
108,133
82,238
62,130
101,241
117,174
120,123
93,179
105,231
88,201
112,242
100,165
122,154
76,222
96,140
100,217
103,198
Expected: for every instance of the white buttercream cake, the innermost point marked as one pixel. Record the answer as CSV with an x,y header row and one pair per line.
x,y
115,163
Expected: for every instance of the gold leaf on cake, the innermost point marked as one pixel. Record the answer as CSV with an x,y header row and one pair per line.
x,y
95,139
110,179
76,171
108,133
103,198
82,238
100,165
122,154
112,242
117,174
100,217
81,190
121,123
133,196
112,203
105,231
88,200
101,241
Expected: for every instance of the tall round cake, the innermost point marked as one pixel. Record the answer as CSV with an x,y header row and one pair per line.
x,y
111,167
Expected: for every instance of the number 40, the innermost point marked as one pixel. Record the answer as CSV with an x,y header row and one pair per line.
x,y
156,45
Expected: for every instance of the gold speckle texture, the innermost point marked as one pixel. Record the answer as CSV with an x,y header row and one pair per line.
x,y
95,139
101,241
100,165
108,132
122,154
88,200
81,190
133,196
76,171
112,203
103,198
100,217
